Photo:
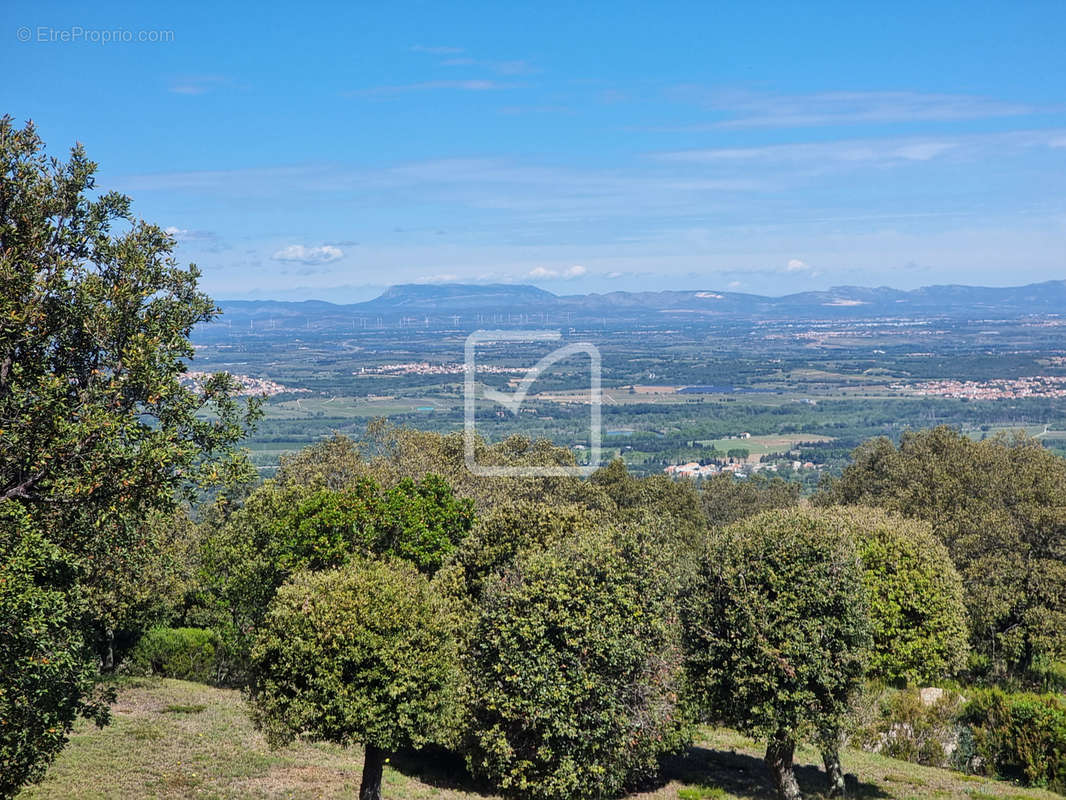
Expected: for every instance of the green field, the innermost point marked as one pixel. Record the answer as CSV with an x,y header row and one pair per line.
x,y
352,407
171,739
763,445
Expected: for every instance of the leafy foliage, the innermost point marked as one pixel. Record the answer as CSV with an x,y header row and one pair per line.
x,y
191,654
46,673
280,531
777,631
575,667
361,653
98,427
777,625
917,614
675,499
726,499
1000,507
1020,736
899,724
100,434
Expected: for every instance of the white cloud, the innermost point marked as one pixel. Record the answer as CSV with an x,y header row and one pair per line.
x,y
208,239
545,273
756,110
441,278
309,255
797,265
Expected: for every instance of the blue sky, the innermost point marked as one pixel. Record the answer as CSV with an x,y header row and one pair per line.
x,y
329,150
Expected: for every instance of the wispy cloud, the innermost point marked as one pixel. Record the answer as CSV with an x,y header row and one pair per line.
x,y
198,84
512,67
549,191
200,240
869,151
530,204
753,110
473,85
437,50
185,235
547,109
309,255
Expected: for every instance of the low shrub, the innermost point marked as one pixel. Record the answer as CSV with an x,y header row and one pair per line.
x,y
191,654
1050,675
900,724
1019,736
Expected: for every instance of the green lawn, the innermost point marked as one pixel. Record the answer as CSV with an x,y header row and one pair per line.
x,y
172,739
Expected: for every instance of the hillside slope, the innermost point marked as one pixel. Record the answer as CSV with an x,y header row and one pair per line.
x,y
172,739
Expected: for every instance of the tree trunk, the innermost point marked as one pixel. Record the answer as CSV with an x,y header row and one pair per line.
x,y
373,764
779,761
834,772
109,655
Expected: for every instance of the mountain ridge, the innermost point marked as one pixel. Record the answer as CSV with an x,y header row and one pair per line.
x,y
511,303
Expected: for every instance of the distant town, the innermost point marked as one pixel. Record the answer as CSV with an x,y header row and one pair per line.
x,y
249,386
1001,389
426,368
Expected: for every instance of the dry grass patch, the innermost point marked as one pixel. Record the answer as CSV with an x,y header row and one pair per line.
x,y
172,739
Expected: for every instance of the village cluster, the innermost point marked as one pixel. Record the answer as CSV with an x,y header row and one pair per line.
x,y
426,368
999,389
739,469
249,386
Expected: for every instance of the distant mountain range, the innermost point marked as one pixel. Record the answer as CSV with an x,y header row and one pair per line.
x,y
485,305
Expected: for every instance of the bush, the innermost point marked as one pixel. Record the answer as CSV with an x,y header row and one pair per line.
x,y
190,654
917,612
899,724
358,654
726,499
46,669
777,630
575,668
280,531
1019,736
998,505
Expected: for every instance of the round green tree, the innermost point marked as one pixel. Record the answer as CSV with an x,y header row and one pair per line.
x,y
575,668
281,530
777,630
360,654
917,611
999,505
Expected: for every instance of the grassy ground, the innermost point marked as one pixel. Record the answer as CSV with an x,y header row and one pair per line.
x,y
758,446
172,739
